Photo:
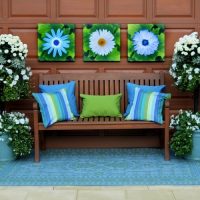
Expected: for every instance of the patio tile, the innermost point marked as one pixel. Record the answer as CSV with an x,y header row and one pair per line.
x,y
26,188
101,195
149,195
52,195
174,187
186,194
13,194
101,187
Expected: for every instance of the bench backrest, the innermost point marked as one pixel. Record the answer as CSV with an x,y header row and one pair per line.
x,y
103,83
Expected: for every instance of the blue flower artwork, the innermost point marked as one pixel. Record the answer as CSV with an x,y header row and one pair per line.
x,y
56,42
146,42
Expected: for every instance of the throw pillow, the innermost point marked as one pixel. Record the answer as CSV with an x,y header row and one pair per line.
x,y
54,107
147,106
101,106
131,88
70,93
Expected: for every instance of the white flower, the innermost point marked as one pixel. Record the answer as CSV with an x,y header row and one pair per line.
x,y
174,66
8,61
179,78
9,71
6,51
16,78
25,77
21,121
26,120
23,72
1,67
14,82
198,50
145,42
184,66
101,42
192,53
196,70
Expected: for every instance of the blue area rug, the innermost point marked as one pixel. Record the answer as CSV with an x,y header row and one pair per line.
x,y
97,167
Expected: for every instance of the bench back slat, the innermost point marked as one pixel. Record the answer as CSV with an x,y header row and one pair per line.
x,y
103,83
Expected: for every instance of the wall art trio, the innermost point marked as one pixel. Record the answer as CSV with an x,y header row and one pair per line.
x,y
101,42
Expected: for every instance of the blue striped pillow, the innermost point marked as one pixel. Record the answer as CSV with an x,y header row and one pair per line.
x,y
147,106
54,107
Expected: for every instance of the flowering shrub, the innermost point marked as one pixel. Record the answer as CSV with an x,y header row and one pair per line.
x,y
14,75
185,123
16,126
185,68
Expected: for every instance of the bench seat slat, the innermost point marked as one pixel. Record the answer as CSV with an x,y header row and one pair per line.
x,y
95,124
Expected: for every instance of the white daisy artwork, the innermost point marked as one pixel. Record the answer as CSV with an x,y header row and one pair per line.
x,y
146,42
101,42
56,42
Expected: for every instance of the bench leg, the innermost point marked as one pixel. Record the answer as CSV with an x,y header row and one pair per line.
x,y
166,143
37,146
167,154
36,136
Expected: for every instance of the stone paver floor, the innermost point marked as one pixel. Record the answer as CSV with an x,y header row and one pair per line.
x,y
101,193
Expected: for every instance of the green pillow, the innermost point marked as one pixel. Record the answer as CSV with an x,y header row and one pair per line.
x,y
101,106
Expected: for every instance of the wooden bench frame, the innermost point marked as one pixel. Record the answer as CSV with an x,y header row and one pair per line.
x,y
102,84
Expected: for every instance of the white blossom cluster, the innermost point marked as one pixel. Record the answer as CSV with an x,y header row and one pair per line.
x,y
11,77
12,47
13,71
187,44
185,68
186,119
8,121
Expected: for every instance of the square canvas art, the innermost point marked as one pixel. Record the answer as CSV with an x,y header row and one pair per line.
x,y
101,42
146,42
56,42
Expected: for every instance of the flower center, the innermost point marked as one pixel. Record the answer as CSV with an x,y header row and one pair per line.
x,y
145,42
101,42
56,42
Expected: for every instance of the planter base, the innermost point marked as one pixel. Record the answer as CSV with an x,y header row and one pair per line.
x,y
6,153
195,154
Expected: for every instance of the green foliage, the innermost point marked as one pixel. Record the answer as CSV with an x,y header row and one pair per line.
x,y
17,127
185,123
21,90
68,29
88,54
181,142
158,30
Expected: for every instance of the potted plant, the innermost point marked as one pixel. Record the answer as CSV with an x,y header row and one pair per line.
x,y
185,68
185,125
15,136
14,75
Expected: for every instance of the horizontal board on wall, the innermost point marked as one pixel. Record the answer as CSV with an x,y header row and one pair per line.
x,y
126,11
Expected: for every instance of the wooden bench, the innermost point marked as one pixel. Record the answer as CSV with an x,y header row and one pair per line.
x,y
102,84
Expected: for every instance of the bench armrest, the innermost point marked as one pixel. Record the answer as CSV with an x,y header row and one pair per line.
x,y
35,115
166,112
167,103
35,105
